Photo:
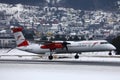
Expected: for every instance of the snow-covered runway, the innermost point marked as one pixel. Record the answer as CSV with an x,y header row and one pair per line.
x,y
90,66
12,71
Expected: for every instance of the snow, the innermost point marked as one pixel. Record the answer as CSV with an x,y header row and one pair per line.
x,y
14,52
58,72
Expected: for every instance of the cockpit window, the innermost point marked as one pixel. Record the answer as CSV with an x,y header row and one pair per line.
x,y
104,43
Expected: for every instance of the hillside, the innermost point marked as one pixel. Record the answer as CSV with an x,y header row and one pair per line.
x,y
91,4
77,4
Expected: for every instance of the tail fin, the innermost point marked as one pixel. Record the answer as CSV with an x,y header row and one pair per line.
x,y
20,39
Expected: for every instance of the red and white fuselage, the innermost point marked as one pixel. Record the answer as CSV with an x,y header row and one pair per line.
x,y
73,47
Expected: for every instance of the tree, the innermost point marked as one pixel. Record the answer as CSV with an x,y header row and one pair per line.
x,y
116,43
28,33
44,38
29,36
76,38
57,37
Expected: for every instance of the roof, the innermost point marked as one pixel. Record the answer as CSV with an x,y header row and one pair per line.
x,y
6,37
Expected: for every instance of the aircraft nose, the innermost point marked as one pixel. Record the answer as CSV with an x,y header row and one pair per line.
x,y
113,47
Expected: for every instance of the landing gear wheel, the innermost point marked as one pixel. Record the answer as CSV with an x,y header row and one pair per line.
x,y
110,53
50,57
76,56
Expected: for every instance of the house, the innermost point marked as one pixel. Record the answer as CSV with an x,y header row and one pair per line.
x,y
7,42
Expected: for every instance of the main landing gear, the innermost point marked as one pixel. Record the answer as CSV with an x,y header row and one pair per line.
x,y
50,57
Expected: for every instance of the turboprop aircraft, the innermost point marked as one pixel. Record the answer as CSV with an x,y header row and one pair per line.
x,y
60,46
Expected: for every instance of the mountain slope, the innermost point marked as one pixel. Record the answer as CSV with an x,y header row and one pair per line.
x,y
77,4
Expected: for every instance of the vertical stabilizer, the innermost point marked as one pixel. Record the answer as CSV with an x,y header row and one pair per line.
x,y
20,39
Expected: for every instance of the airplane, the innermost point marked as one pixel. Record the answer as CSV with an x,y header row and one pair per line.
x,y
60,46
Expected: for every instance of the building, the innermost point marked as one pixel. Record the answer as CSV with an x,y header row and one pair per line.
x,y
7,42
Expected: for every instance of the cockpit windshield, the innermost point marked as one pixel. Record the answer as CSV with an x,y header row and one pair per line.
x,y
104,43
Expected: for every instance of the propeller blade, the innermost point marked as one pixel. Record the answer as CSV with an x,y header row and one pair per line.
x,y
66,48
65,45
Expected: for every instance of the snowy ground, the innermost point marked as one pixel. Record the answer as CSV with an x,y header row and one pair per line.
x,y
14,52
58,72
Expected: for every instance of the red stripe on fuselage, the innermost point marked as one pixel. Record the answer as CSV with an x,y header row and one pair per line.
x,y
52,46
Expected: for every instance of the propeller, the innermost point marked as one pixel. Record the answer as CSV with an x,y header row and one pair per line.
x,y
65,45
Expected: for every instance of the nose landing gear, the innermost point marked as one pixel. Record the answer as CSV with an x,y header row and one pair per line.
x,y
110,53
76,56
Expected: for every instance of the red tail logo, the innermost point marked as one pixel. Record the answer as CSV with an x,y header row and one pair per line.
x,y
18,37
21,41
